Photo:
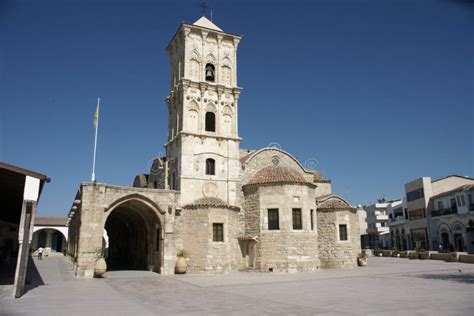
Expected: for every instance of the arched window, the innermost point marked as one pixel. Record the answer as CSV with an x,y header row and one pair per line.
x,y
210,166
210,122
210,71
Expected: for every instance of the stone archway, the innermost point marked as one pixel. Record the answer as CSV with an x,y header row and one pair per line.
x,y
134,237
53,240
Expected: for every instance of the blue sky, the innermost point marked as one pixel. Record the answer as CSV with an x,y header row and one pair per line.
x,y
377,92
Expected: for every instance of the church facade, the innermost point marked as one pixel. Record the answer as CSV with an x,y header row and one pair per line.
x,y
227,208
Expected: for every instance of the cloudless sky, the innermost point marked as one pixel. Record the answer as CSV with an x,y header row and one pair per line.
x,y
377,92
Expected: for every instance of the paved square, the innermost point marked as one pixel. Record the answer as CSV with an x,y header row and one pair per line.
x,y
389,286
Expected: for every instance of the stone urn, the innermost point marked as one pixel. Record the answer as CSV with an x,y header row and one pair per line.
x,y
181,265
100,268
361,261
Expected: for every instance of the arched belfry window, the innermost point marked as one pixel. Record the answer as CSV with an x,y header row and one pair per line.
x,y
210,166
210,71
210,122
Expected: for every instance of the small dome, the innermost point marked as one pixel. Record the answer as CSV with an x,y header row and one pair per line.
x,y
209,202
318,176
333,202
277,174
141,181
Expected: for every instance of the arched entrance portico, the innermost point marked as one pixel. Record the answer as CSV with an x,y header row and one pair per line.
x,y
53,240
138,232
134,234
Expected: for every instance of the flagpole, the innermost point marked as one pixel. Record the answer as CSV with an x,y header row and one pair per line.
x,y
95,141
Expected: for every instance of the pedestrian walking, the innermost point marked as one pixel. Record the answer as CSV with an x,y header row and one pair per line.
x,y
40,253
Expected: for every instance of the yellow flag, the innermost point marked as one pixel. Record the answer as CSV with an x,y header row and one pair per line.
x,y
96,116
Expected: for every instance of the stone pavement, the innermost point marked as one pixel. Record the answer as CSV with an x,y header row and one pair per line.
x,y
388,286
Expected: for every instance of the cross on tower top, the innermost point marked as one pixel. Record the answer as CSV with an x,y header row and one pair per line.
x,y
203,7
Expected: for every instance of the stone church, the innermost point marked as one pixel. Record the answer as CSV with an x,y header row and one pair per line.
x,y
227,207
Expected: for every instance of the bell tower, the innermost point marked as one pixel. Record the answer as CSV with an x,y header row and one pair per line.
x,y
203,142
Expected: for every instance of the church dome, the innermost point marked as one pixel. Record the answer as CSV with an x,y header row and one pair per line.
x,y
277,174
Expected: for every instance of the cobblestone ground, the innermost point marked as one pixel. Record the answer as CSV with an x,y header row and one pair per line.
x,y
390,286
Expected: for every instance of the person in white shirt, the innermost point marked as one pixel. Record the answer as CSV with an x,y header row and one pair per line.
x,y
40,253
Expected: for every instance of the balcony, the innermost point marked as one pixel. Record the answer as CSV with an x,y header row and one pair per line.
x,y
397,220
381,217
378,230
443,212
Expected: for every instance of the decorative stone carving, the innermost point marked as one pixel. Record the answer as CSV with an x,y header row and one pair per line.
x,y
209,189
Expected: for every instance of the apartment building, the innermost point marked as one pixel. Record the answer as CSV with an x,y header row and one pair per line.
x,y
398,225
449,216
418,195
377,224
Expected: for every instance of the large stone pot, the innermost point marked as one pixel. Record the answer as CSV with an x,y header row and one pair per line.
x,y
181,265
361,262
100,268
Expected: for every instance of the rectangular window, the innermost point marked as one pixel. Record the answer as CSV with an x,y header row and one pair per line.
x,y
312,219
297,219
342,232
415,195
463,200
273,219
210,166
398,212
416,214
470,198
459,200
440,205
217,232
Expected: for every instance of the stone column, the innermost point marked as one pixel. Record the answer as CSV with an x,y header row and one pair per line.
x,y
49,240
28,212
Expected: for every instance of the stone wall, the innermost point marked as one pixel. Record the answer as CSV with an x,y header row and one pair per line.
x,y
285,249
251,210
194,235
334,253
94,204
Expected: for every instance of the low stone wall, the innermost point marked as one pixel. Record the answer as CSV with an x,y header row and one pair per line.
x,y
443,256
466,258
426,254
386,253
413,255
406,253
434,255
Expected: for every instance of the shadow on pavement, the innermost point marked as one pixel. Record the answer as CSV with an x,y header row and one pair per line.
x,y
33,278
460,277
7,272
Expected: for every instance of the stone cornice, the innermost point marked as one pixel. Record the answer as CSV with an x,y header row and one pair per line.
x,y
185,28
204,85
202,136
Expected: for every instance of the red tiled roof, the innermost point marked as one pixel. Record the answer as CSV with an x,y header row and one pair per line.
x,y
277,174
209,202
333,202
